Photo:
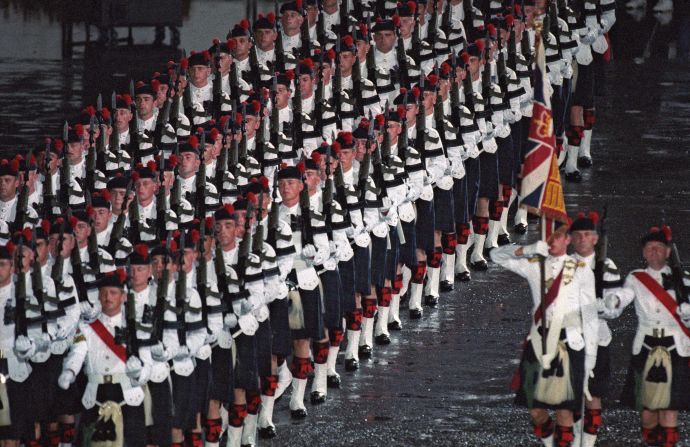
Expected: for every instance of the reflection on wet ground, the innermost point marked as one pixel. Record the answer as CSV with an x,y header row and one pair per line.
x,y
444,381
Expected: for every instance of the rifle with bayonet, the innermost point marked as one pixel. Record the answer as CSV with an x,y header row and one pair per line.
x,y
305,49
217,81
23,196
305,207
280,56
119,225
246,244
20,321
91,156
133,124
131,339
181,294
601,253
78,269
420,138
37,285
48,193
678,276
92,242
403,66
298,135
162,293
114,143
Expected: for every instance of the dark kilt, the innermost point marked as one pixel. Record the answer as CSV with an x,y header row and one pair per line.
x,y
222,375
281,342
184,401
161,412
313,313
393,254
246,373
332,307
680,377
202,371
600,383
444,217
347,284
488,175
407,252
583,93
21,411
529,372
264,348
133,417
506,159
472,167
43,388
378,260
362,270
424,225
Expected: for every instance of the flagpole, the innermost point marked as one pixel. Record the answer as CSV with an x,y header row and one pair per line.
x,y
542,291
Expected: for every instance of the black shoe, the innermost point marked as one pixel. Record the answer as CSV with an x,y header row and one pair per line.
x,y
520,228
394,326
415,314
479,266
333,381
317,397
382,339
503,239
364,351
447,286
584,162
298,414
574,177
351,365
431,301
247,445
463,276
267,432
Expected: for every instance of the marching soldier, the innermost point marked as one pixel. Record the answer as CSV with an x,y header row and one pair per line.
x,y
556,361
114,395
657,377
589,249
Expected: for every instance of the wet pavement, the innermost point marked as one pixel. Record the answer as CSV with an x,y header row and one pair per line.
x,y
444,380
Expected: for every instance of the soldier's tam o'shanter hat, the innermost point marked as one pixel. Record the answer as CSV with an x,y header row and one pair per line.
x,y
585,222
661,234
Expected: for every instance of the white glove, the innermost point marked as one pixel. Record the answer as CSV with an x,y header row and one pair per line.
x,y
66,379
386,203
42,343
540,248
391,217
248,324
589,37
600,45
309,251
350,232
261,314
211,338
413,193
159,353
612,302
445,182
256,301
24,347
230,320
362,239
61,333
133,367
182,353
89,313
684,313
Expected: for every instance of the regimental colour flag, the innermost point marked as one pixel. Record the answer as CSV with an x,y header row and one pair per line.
x,y
541,192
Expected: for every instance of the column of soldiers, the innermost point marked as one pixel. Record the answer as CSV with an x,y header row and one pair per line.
x,y
173,263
